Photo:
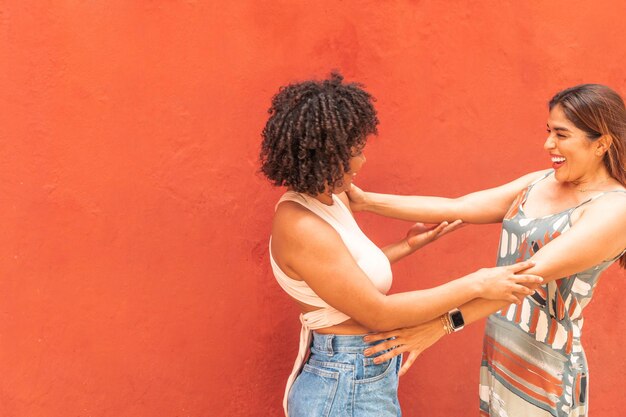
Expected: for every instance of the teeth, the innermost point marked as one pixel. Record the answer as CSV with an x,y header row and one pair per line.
x,y
558,159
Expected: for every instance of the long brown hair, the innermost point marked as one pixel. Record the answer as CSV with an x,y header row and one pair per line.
x,y
598,111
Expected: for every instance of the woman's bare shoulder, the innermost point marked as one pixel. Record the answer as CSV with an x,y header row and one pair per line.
x,y
293,223
607,209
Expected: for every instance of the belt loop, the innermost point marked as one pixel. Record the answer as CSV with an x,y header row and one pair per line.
x,y
329,344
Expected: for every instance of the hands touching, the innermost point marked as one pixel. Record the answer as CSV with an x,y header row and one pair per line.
x,y
500,283
504,283
418,236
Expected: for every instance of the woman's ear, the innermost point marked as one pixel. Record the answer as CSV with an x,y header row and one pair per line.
x,y
603,144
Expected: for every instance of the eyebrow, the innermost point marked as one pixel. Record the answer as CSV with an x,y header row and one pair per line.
x,y
557,128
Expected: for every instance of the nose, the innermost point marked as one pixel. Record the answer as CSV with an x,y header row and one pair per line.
x,y
363,157
549,143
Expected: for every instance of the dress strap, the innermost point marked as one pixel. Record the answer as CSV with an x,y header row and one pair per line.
x,y
619,256
595,197
530,187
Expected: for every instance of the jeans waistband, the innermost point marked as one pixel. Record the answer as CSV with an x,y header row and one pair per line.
x,y
331,343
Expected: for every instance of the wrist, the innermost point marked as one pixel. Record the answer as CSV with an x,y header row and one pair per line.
x,y
445,324
368,202
452,321
476,284
456,320
408,248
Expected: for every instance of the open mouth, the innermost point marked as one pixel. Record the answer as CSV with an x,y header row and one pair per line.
x,y
557,161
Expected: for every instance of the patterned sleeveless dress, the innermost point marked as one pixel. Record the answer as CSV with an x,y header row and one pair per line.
x,y
533,363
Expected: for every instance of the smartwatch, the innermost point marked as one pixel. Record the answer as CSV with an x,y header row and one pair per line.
x,y
456,319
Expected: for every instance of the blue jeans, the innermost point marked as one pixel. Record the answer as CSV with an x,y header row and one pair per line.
x,y
339,381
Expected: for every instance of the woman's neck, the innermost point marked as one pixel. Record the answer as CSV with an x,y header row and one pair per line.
x,y
326,199
597,180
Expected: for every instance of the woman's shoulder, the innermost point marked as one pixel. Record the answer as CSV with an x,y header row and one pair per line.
x,y
292,207
614,198
607,207
534,177
294,221
530,179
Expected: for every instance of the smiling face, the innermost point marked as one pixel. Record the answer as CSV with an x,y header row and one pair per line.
x,y
575,158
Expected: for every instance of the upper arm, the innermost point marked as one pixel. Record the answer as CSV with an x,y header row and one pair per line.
x,y
598,235
491,205
315,252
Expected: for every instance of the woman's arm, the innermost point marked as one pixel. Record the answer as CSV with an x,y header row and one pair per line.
x,y
599,234
313,251
486,206
418,236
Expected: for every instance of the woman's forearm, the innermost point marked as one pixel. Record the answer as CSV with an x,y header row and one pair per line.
x,y
477,208
398,250
480,308
412,208
407,309
480,207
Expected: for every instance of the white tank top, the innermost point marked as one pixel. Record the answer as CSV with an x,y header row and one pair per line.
x,y
367,255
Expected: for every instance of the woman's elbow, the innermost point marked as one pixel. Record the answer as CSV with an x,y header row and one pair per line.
x,y
376,319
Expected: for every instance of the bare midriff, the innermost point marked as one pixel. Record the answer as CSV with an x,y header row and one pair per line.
x,y
348,327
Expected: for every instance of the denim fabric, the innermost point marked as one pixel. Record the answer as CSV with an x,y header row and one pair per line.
x,y
339,381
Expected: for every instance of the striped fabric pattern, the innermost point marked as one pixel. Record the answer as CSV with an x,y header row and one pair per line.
x,y
533,363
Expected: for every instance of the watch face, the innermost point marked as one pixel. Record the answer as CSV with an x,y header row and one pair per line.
x,y
457,319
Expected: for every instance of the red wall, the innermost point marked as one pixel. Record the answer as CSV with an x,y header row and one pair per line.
x,y
134,275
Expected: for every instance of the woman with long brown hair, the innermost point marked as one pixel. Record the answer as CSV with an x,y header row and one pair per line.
x,y
570,220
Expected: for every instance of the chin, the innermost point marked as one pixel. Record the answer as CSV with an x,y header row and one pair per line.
x,y
561,176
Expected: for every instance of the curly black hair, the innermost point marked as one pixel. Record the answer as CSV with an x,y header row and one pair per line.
x,y
312,132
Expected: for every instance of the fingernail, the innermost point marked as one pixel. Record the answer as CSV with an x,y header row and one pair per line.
x,y
367,352
366,338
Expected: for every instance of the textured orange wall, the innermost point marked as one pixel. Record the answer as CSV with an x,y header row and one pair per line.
x,y
134,275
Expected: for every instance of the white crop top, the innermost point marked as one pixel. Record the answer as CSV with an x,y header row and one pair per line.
x,y
367,255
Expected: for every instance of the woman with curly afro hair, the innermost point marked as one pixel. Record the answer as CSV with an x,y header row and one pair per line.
x,y
313,145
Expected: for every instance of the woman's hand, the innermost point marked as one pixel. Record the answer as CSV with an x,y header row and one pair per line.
x,y
411,339
419,235
504,283
358,198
